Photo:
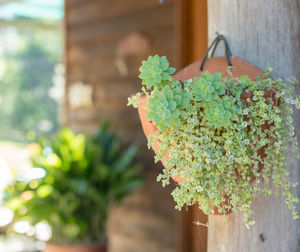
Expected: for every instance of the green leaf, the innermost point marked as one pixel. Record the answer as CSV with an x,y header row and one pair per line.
x,y
172,105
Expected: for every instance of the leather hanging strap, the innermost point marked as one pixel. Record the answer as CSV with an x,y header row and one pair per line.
x,y
214,45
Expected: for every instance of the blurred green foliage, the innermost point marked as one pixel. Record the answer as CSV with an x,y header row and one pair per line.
x,y
28,68
84,175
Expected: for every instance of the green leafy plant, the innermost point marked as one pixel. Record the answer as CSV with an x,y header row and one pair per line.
x,y
226,137
156,71
166,107
208,87
82,177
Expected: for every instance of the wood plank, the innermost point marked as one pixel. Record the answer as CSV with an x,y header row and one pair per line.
x,y
124,116
107,67
185,237
79,3
192,33
266,33
156,17
159,201
108,46
199,29
115,80
199,232
183,32
101,68
97,11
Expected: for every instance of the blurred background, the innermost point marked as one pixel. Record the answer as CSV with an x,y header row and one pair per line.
x,y
73,65
32,89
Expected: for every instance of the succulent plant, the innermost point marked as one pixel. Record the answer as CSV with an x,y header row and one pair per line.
x,y
208,87
155,72
220,112
165,107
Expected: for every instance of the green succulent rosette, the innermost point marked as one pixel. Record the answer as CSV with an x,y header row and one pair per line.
x,y
220,113
155,72
208,87
165,107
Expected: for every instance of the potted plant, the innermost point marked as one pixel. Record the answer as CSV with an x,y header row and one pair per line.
x,y
221,137
78,178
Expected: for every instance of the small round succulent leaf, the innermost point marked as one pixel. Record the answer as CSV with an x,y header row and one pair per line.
x,y
172,105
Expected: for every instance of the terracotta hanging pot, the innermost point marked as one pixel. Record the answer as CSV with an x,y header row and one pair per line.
x,y
78,248
213,65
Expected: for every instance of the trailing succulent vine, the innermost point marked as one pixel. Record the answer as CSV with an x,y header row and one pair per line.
x,y
226,137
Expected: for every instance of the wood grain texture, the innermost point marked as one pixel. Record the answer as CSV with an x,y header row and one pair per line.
x,y
266,33
96,11
192,30
89,49
199,28
94,31
156,17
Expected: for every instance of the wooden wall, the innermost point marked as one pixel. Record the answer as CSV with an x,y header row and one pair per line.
x,y
95,30
266,33
105,43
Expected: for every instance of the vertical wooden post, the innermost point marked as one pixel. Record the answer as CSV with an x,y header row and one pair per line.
x,y
192,30
192,40
266,33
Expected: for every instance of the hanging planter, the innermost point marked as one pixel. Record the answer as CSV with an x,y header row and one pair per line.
x,y
220,126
